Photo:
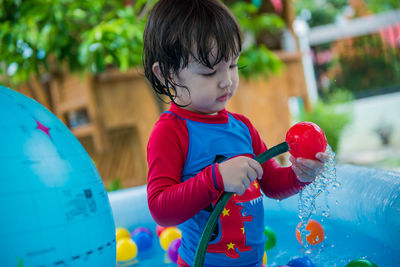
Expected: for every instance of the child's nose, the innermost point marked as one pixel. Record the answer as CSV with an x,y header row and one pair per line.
x,y
226,81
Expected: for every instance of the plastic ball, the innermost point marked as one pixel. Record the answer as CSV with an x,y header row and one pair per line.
x,y
159,229
121,233
361,263
126,249
305,139
271,238
143,238
300,262
169,235
173,250
316,234
140,229
265,258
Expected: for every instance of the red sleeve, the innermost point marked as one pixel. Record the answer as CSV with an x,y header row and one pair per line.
x,y
171,201
277,182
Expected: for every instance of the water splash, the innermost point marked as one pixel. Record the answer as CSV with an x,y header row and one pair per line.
x,y
309,194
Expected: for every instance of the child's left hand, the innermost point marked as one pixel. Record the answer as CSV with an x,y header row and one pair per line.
x,y
307,169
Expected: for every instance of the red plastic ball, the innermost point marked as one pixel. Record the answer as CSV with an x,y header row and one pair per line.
x,y
159,229
305,139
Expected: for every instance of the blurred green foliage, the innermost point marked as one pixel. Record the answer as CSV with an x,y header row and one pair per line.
x,y
256,59
323,12
369,67
378,6
39,37
117,41
332,115
42,37
319,13
114,185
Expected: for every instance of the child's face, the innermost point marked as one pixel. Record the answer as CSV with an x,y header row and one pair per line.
x,y
210,89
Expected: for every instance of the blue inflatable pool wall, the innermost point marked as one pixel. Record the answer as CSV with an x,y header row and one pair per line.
x,y
367,200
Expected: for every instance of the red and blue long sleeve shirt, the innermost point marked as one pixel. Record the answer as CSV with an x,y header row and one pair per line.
x,y
184,183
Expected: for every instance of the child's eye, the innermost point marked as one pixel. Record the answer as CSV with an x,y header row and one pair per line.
x,y
212,73
209,74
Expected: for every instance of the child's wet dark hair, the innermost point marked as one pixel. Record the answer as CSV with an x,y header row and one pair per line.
x,y
177,30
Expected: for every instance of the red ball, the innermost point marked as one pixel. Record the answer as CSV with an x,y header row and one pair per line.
x,y
159,229
305,139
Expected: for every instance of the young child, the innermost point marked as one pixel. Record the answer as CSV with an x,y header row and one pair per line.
x,y
197,149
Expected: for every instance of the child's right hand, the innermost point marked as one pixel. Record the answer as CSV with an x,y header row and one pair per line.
x,y
238,173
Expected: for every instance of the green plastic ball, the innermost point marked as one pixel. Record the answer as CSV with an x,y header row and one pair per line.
x,y
271,238
361,263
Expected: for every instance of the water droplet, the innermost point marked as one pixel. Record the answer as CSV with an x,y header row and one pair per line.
x,y
308,195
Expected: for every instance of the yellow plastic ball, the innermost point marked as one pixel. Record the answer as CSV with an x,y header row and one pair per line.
x,y
169,235
126,249
265,258
121,233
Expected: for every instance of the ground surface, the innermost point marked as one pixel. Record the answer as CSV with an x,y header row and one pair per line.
x,y
361,144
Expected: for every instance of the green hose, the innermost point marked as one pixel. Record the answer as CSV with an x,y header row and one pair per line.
x,y
212,220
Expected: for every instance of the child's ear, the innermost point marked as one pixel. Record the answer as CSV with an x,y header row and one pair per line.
x,y
157,71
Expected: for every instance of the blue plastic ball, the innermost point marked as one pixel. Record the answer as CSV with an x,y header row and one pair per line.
x,y
301,262
143,238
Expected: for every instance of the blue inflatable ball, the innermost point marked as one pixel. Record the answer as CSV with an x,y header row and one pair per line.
x,y
300,262
53,205
143,238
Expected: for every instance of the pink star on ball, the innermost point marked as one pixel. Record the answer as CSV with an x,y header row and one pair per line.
x,y
43,128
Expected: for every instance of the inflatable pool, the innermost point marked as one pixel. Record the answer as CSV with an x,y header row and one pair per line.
x,y
363,222
55,210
